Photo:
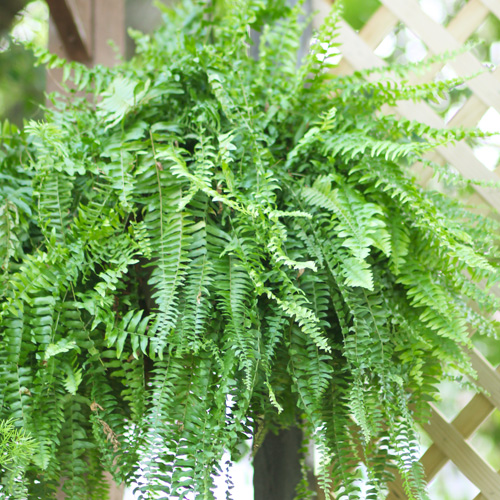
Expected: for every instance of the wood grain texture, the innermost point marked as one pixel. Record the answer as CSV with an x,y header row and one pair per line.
x,y
82,10
109,25
70,30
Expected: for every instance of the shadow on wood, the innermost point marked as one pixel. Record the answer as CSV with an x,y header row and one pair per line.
x,y
277,466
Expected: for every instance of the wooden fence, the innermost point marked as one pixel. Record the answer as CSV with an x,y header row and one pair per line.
x,y
450,439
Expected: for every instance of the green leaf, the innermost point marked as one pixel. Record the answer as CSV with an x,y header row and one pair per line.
x,y
64,345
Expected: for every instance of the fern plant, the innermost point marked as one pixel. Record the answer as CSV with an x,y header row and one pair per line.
x,y
208,246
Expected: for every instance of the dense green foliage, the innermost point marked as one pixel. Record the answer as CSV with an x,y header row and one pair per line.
x,y
210,246
16,449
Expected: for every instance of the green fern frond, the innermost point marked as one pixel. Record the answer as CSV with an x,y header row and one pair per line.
x,y
216,242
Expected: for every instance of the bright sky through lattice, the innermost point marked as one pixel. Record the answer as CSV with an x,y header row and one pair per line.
x,y
489,151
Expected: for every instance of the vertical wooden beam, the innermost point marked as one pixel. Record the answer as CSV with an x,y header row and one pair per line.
x,y
70,30
277,466
81,10
95,23
108,25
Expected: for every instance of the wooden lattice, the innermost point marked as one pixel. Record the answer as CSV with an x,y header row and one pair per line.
x,y
449,438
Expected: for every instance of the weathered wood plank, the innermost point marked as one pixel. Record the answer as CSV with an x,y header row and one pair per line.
x,y
70,30
463,456
109,25
487,377
83,12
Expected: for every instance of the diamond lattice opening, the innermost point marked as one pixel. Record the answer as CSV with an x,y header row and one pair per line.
x,y
454,398
358,16
441,11
487,150
451,484
486,438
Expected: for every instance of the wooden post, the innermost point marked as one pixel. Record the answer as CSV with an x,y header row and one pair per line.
x,y
79,30
71,31
109,24
277,466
